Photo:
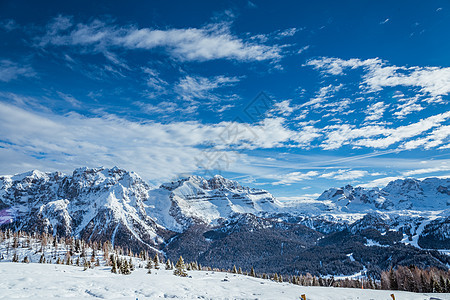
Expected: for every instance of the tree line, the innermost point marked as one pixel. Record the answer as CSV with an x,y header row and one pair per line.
x,y
72,251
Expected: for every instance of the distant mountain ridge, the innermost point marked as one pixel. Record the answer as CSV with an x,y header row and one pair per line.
x,y
205,216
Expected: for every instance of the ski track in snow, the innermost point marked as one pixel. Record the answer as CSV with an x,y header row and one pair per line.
x,y
45,281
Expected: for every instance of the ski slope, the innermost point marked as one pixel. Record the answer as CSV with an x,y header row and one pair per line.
x,y
49,281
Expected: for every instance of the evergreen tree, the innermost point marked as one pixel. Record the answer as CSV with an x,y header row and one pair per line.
x,y
125,268
180,268
239,270
234,271
149,264
156,261
114,267
168,265
131,265
275,277
252,272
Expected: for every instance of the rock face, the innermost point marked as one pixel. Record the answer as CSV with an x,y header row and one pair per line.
x,y
218,222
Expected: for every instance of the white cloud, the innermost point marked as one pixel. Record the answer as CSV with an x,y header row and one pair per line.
x,y
152,149
408,106
214,41
431,81
70,99
303,49
294,177
377,136
284,107
345,174
380,182
323,95
336,66
198,87
439,136
288,32
11,71
442,168
375,111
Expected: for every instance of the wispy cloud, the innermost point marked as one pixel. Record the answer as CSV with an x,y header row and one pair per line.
x,y
345,174
375,111
198,87
442,168
294,177
380,182
213,41
10,70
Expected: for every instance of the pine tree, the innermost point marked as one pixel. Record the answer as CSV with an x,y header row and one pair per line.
x,y
131,265
252,272
156,261
114,267
280,279
239,270
149,264
234,271
180,268
275,277
125,268
168,265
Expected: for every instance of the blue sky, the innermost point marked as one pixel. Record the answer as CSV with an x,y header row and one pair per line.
x,y
289,96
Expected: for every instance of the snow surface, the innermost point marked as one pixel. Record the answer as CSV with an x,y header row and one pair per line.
x,y
45,281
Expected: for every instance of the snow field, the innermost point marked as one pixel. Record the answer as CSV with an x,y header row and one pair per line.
x,y
47,281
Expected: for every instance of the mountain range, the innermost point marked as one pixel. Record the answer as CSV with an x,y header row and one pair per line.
x,y
220,223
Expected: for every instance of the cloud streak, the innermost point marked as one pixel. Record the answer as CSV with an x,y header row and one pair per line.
x,y
10,70
211,42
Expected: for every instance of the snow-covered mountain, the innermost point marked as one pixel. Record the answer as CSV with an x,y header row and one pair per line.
x,y
177,205
402,194
113,203
94,204
205,218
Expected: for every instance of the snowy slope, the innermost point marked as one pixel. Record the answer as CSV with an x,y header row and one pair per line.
x,y
42,281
